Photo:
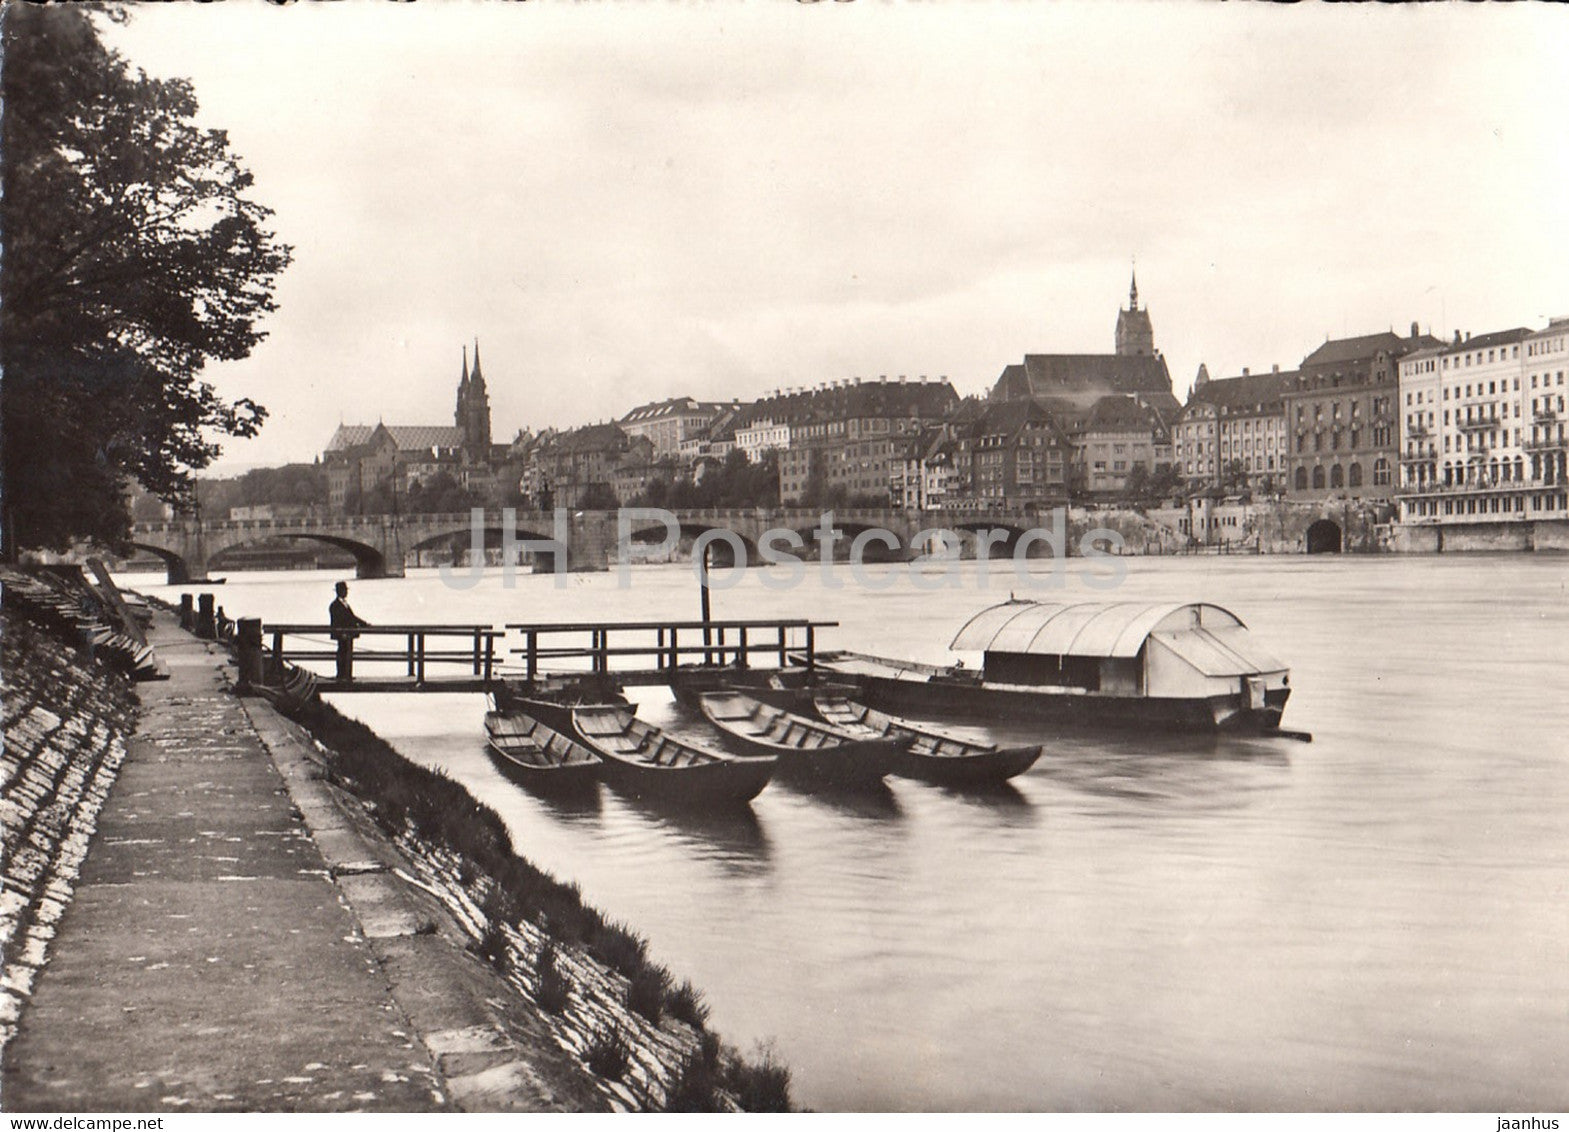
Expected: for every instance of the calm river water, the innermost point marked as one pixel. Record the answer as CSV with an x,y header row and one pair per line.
x,y
1378,920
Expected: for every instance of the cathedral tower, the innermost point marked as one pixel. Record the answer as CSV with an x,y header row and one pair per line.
x,y
473,413
1135,334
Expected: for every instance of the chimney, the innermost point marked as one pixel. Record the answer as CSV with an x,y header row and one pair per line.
x,y
1415,330
1245,371
1275,368
1457,338
1468,336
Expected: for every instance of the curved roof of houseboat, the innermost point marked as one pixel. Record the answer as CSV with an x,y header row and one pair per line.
x,y
1117,629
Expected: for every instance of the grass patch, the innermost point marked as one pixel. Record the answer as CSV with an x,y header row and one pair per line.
x,y
646,992
607,1055
695,1088
552,987
687,1005
759,1086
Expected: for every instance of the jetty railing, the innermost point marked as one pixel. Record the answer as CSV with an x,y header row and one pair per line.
x,y
711,642
419,648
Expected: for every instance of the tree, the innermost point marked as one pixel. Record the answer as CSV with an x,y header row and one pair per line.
x,y
133,256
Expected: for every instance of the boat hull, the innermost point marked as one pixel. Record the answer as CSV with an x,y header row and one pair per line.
x,y
936,698
722,782
575,776
851,763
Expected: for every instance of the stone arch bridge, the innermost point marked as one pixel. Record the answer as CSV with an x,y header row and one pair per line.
x,y
571,540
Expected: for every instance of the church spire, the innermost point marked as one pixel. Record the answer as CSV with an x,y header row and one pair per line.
x,y
463,383
477,376
1133,291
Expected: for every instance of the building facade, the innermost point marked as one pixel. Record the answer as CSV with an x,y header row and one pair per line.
x,y
1342,417
1483,432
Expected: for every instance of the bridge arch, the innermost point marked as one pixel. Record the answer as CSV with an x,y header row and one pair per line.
x,y
178,571
369,561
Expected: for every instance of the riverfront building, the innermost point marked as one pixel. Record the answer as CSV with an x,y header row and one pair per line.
x,y
1342,420
1235,425
1482,428
670,424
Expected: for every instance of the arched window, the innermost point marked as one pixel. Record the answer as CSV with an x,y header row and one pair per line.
x,y
1354,475
1318,478
1337,476
1519,467
1301,479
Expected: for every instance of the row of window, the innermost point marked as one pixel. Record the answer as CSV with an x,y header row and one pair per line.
x,y
1336,476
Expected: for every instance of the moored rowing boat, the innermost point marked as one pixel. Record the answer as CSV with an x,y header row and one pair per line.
x,y
812,751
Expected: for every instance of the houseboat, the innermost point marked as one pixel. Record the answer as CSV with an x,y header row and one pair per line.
x,y
1187,666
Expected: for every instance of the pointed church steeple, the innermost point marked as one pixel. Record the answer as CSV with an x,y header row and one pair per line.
x,y
1135,334
473,415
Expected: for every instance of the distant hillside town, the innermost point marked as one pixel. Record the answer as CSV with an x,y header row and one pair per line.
x,y
1433,430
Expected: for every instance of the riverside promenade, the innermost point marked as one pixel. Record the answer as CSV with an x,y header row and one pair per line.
x,y
240,939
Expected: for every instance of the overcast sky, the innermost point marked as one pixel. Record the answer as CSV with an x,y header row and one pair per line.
x,y
630,201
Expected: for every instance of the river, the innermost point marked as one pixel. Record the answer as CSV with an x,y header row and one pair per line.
x,y
1377,920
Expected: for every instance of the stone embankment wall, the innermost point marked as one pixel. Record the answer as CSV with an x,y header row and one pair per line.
x,y
67,720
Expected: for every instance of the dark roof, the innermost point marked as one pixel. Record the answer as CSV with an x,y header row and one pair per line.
x,y
853,400
1245,393
1483,341
349,436
1067,375
408,438
589,438
1338,351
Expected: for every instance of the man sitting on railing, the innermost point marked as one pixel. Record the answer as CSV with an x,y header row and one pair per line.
x,y
343,619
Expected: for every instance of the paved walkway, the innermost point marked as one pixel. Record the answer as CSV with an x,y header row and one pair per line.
x,y
215,959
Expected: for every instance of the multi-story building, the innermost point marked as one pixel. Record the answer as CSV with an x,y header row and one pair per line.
x,y
578,468
1420,389
1342,417
1483,437
844,436
668,424
762,436
1235,423
1546,356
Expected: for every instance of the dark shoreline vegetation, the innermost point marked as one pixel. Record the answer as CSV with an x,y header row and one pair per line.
x,y
405,798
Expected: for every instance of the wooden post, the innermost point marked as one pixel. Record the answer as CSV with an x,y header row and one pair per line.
x,y
411,655
419,667
248,649
490,656
277,657
476,652
188,613
811,648
740,656
533,654
702,585
783,656
206,624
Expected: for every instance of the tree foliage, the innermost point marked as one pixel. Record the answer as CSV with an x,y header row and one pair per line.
x,y
133,255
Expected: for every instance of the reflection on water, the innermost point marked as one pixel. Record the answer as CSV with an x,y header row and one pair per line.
x,y
1371,921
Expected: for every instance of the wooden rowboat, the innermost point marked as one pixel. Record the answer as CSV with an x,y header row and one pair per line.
x,y
537,757
639,759
811,750
932,755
